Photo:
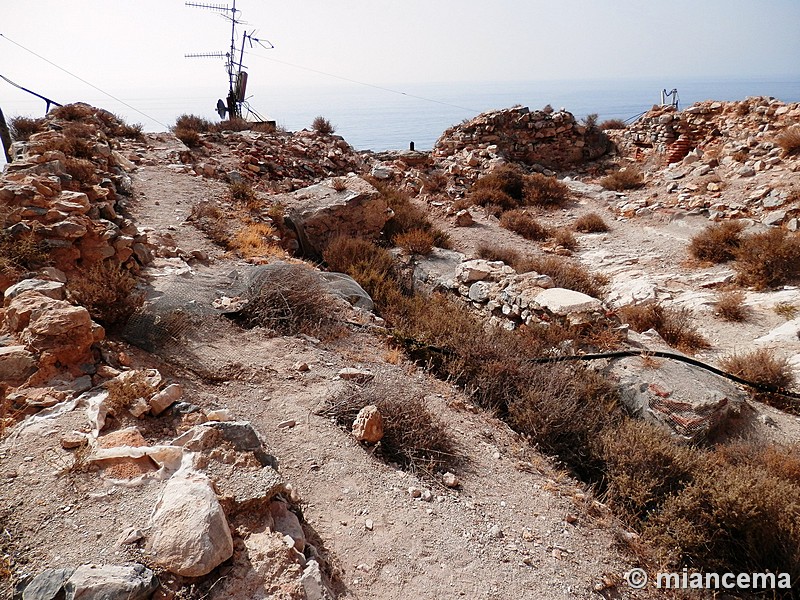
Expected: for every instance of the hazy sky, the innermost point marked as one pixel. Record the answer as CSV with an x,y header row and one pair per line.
x,y
133,47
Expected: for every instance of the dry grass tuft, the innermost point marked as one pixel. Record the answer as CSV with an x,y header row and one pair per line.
x,y
625,179
292,303
787,310
323,126
567,274
675,325
789,140
717,243
339,184
524,224
768,259
565,238
23,253
188,128
255,239
763,367
730,307
541,190
415,241
73,112
407,217
107,290
123,392
590,223
81,170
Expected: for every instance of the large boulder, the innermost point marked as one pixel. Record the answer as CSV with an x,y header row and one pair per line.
x,y
688,401
561,301
54,326
189,533
319,212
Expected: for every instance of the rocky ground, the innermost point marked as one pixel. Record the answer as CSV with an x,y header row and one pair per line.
x,y
199,465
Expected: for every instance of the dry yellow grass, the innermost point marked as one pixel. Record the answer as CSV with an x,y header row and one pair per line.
x,y
255,239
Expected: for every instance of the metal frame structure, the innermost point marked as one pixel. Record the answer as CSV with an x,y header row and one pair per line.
x,y
237,76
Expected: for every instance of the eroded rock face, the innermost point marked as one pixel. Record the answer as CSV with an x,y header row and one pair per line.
x,y
90,582
190,535
53,326
320,213
16,364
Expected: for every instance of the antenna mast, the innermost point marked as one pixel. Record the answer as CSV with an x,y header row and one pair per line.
x,y
237,77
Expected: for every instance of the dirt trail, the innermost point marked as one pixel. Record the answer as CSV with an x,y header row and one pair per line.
x,y
502,534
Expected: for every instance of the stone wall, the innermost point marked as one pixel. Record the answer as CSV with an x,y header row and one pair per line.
x,y
551,139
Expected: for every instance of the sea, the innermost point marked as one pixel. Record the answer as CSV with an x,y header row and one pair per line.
x,y
391,116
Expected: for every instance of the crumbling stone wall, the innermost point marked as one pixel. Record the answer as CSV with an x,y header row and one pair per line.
x,y
551,139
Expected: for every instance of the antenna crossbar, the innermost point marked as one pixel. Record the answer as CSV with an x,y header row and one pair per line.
x,y
217,7
206,55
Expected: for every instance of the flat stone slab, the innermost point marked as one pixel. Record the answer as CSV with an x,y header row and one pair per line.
x,y
561,301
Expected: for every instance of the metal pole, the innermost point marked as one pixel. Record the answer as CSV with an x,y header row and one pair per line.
x,y
5,136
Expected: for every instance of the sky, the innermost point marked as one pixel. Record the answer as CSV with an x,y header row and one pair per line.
x,y
134,49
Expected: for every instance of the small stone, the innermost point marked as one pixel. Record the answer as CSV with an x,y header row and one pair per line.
x,y
368,425
356,375
496,532
427,496
72,440
288,424
219,414
414,492
450,480
139,407
130,536
571,518
369,525
301,367
165,398
712,187
464,218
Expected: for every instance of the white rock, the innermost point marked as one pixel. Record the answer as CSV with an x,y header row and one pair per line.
x,y
450,480
368,425
788,332
561,301
189,533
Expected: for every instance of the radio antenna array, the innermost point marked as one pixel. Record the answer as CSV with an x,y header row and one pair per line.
x,y
237,77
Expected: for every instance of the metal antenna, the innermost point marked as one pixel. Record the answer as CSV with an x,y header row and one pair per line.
x,y
237,77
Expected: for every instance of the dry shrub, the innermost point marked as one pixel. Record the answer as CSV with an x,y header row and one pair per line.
x,y
322,126
730,306
80,170
407,217
762,367
768,259
789,140
23,253
568,274
73,112
590,223
541,190
254,239
731,519
193,123
673,324
132,132
507,255
22,128
508,179
339,184
295,301
236,124
107,290
612,124
645,466
780,460
625,179
498,200
717,243
522,223
413,436
243,192
190,137
415,241
123,392
563,409
211,220
565,238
